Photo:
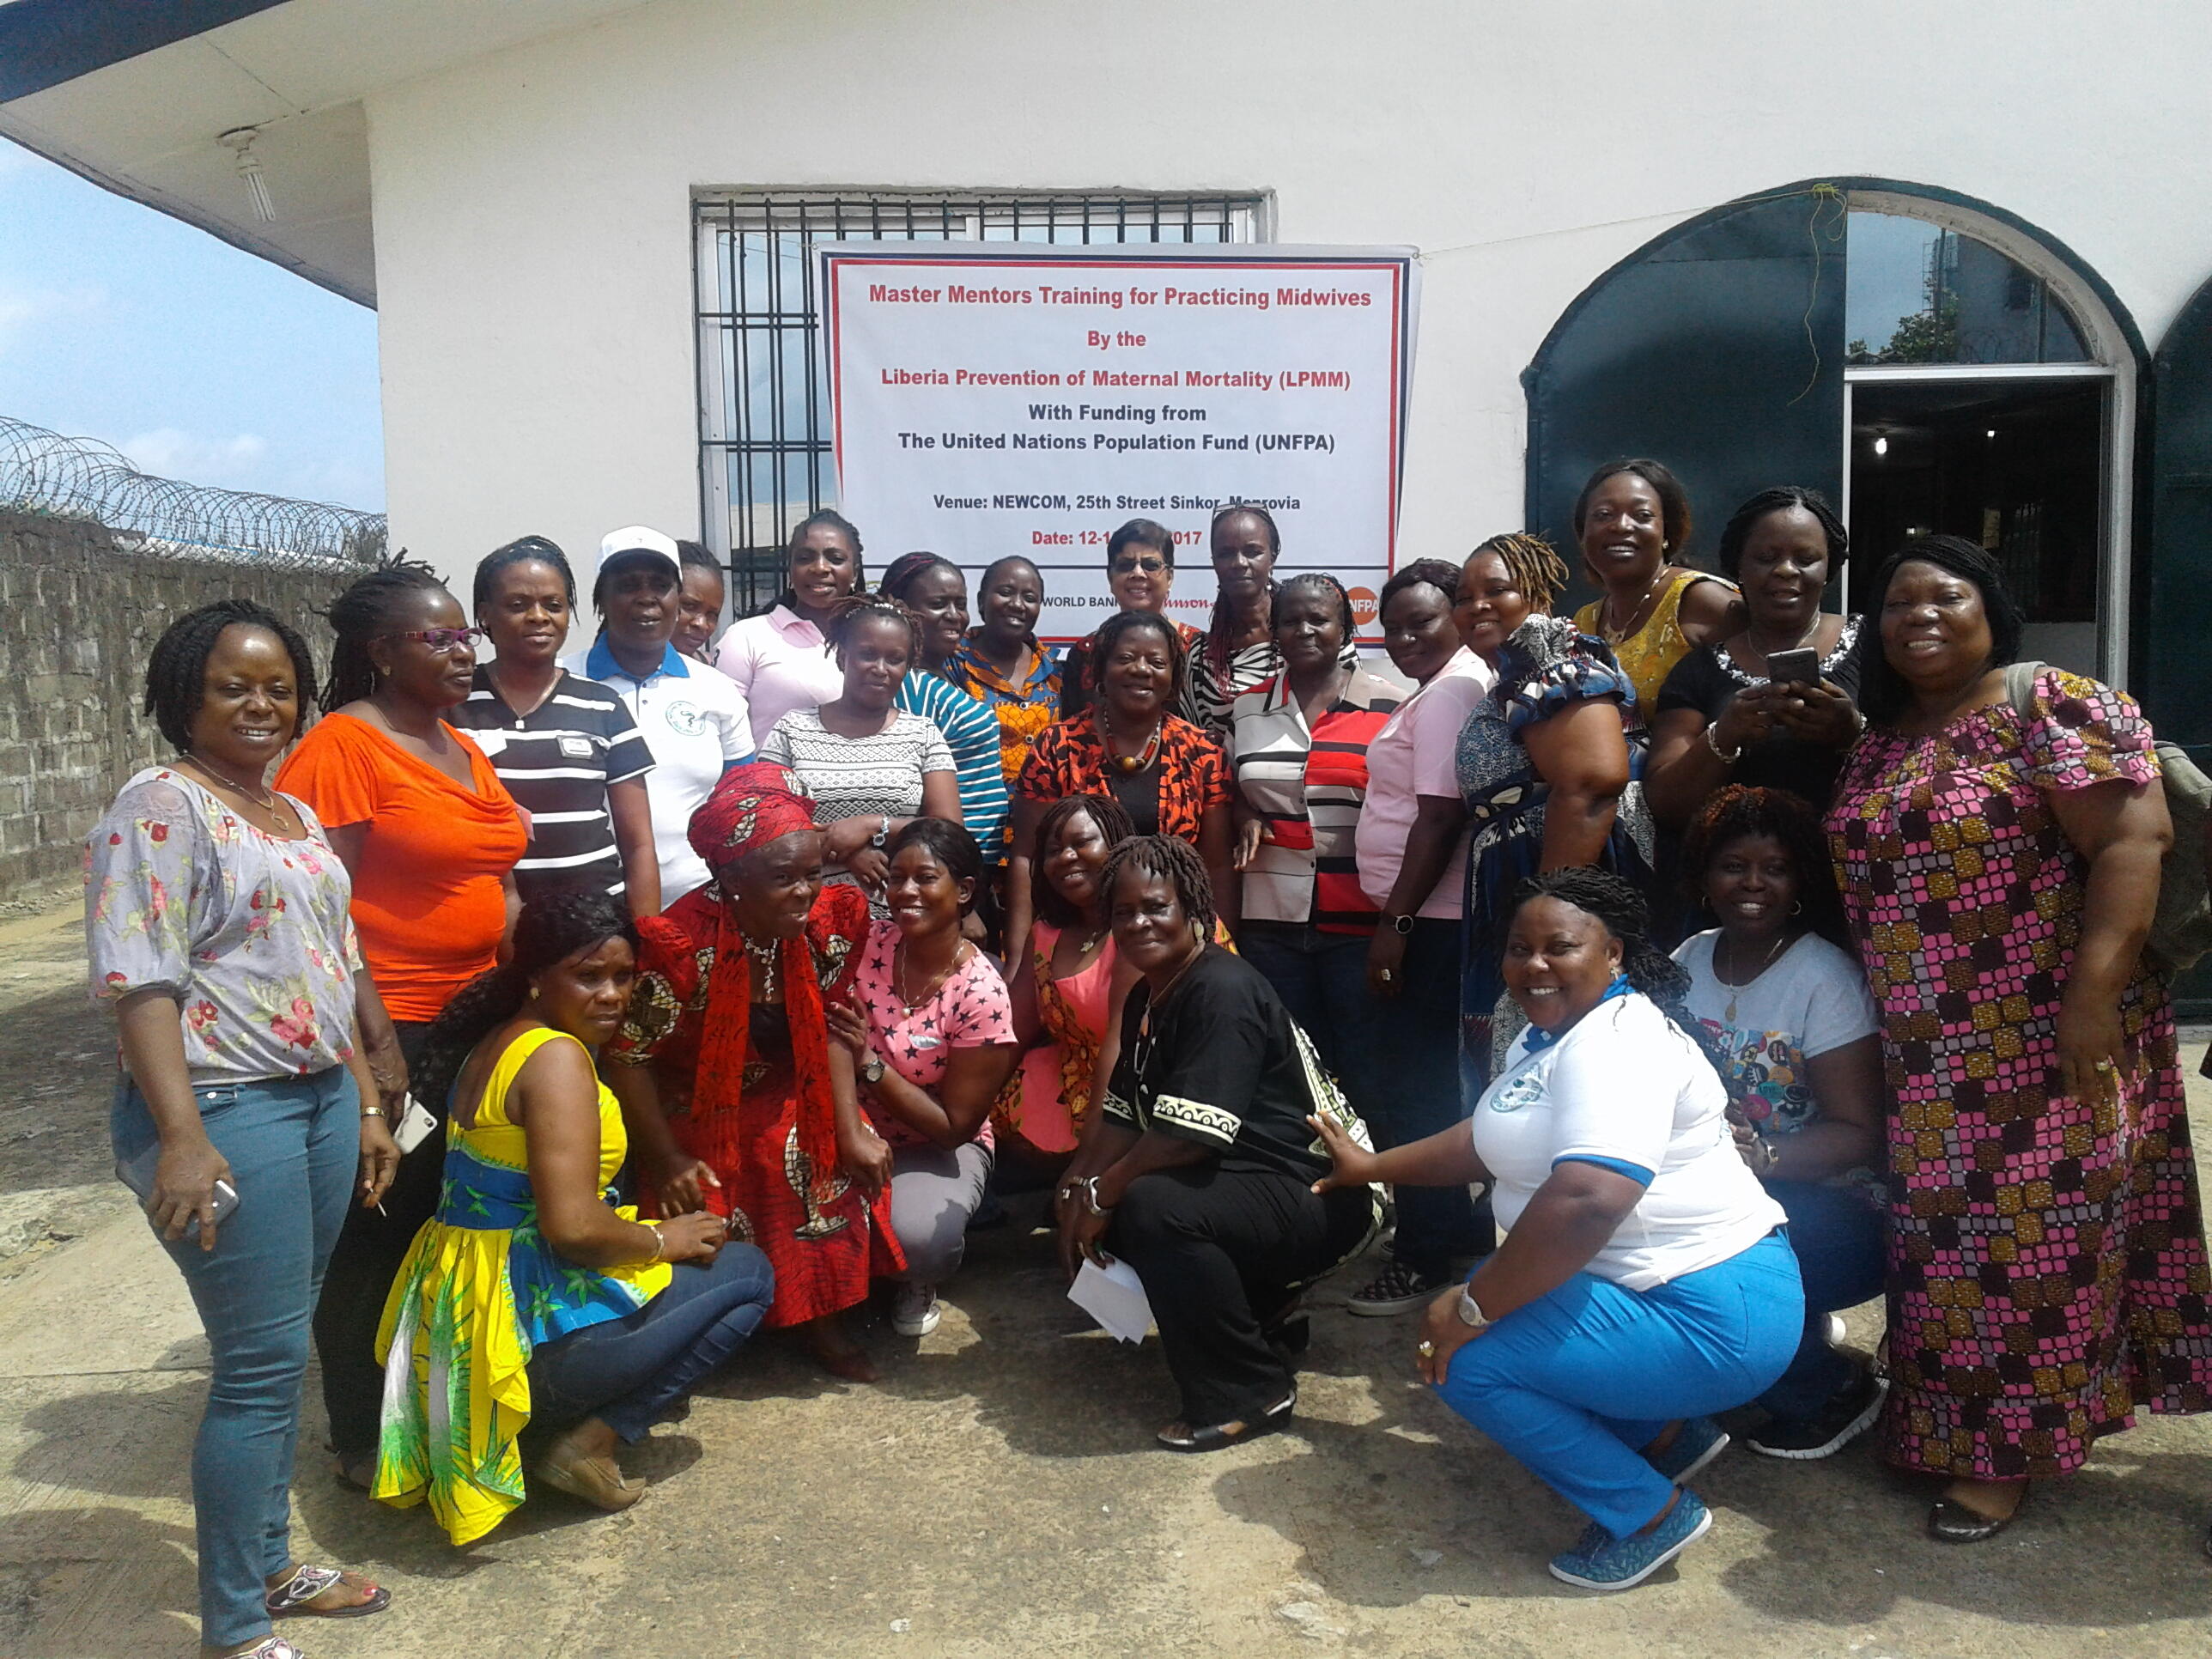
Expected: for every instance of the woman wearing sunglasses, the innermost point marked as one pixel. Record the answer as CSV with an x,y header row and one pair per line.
x,y
431,838
1140,575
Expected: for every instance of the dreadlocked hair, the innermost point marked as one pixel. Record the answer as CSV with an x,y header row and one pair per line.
x,y
907,569
849,613
1216,629
1115,827
522,551
1781,499
370,607
827,518
1740,812
1534,563
1648,969
176,672
1171,859
549,930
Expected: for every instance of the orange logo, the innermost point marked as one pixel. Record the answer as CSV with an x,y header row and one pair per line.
x,y
1363,606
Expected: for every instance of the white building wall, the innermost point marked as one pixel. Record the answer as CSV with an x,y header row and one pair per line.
x,y
532,209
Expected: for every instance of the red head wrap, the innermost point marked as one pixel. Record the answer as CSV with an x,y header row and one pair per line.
x,y
753,805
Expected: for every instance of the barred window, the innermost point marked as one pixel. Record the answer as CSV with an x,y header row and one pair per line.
x,y
765,460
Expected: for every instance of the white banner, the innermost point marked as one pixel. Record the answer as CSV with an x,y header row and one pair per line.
x,y
992,399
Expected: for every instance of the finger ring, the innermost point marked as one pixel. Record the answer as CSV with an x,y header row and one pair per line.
x,y
1425,1348
2104,1065
1386,975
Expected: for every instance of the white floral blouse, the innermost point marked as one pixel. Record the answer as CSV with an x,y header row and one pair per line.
x,y
250,931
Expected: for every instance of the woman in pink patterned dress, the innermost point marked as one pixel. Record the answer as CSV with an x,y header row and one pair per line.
x,y
2000,866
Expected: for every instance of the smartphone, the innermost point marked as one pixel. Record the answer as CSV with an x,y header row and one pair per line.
x,y
415,1125
139,1175
1793,667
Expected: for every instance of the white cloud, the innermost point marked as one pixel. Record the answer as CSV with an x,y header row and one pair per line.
x,y
169,453
19,307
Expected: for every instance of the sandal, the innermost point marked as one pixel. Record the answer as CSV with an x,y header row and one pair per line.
x,y
290,1599
359,1472
1181,1437
271,1647
1950,1522
594,1479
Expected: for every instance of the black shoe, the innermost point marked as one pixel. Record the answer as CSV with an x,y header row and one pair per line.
x,y
1849,1415
1395,1289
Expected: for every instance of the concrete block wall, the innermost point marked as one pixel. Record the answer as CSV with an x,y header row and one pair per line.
x,y
78,617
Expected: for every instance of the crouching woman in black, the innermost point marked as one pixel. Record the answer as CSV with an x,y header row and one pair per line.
x,y
1198,1169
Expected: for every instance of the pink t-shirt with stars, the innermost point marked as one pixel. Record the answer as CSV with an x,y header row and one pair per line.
x,y
970,1010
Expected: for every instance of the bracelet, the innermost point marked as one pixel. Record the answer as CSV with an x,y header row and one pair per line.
x,y
1728,757
374,1111
1088,1187
660,1240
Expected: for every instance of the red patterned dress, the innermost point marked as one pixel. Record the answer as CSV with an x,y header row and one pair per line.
x,y
764,1125
2047,1274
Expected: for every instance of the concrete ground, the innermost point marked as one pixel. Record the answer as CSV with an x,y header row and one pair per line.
x,y
996,1495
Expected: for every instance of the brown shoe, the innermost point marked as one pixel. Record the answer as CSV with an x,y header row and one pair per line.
x,y
594,1479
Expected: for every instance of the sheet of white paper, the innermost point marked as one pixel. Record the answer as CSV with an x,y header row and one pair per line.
x,y
1114,1296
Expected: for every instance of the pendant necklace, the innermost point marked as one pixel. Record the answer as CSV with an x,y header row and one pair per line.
x,y
765,957
1629,632
265,799
1131,764
1773,950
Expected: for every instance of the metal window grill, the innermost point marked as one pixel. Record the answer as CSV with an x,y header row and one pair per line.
x,y
765,460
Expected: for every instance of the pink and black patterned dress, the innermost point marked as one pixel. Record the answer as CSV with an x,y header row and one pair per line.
x,y
2047,1274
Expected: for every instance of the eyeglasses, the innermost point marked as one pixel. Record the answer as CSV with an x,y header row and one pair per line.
x,y
441,639
1131,567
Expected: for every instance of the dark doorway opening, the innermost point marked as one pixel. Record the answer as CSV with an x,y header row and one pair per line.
x,y
2015,466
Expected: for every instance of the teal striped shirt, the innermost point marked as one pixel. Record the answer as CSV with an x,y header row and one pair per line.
x,y
971,730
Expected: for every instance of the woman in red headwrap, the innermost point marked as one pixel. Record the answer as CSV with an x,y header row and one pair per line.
x,y
733,1094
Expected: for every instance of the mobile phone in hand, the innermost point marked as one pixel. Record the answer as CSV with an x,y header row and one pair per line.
x,y
137,1174
1793,667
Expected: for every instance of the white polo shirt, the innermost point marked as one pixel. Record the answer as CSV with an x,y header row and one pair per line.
x,y
697,725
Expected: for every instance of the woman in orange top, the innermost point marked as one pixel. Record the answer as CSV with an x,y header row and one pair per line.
x,y
431,837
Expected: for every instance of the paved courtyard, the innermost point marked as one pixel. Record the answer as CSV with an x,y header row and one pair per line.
x,y
995,1495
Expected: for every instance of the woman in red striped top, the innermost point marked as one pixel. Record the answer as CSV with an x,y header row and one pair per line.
x,y
1300,763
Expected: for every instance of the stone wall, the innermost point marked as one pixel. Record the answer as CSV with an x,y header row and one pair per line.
x,y
78,617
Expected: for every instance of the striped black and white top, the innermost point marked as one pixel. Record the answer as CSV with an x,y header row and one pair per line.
x,y
558,762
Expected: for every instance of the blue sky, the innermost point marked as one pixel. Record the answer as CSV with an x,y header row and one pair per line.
x,y
197,361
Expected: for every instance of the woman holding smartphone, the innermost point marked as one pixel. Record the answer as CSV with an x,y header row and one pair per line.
x,y
218,927
1775,705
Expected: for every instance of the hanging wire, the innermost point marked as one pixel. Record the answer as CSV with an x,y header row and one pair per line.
x,y
1829,203
45,473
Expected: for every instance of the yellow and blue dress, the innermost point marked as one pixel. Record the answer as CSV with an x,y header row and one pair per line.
x,y
480,1289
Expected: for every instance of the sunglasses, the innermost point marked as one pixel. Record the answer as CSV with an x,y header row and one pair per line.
x,y
1131,567
441,639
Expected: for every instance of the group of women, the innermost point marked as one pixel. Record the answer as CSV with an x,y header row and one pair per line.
x,y
707,984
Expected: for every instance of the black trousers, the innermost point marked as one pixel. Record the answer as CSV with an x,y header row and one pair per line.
x,y
1220,1255
366,1258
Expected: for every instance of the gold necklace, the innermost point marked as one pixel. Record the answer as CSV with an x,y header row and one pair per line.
x,y
1736,986
266,800
898,973
1629,632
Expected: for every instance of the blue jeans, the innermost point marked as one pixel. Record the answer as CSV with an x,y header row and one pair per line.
x,y
1843,1253
1418,1030
293,1147
1576,1384
627,1371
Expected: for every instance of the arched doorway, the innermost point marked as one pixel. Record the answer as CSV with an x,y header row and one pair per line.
x,y
1931,363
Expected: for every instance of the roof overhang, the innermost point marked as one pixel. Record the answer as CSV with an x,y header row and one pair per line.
x,y
135,97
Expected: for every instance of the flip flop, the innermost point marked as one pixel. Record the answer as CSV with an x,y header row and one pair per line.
x,y
290,1599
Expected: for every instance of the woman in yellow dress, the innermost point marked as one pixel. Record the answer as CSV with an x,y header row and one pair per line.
x,y
531,1293
1633,520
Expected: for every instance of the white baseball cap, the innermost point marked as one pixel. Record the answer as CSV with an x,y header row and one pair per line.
x,y
638,538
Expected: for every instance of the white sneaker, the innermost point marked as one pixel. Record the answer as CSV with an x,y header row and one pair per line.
x,y
917,1311
1837,1335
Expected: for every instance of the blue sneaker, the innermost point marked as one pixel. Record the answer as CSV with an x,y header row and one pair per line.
x,y
1615,1563
1696,1444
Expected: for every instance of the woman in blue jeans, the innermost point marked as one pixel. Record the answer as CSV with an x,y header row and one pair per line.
x,y
1644,1282
217,928
531,1299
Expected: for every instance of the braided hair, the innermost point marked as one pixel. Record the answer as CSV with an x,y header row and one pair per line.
x,y
1648,969
908,568
695,555
846,616
176,672
1674,500
1739,812
1216,629
1170,859
1115,826
1534,563
370,608
1781,499
1326,584
521,550
1883,695
549,930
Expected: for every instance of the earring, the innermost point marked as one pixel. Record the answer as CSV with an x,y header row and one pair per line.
x,y
1798,909
533,993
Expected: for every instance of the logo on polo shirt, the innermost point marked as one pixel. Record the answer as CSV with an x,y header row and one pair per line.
x,y
686,720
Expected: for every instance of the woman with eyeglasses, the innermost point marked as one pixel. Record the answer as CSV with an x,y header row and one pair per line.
x,y
431,838
1140,575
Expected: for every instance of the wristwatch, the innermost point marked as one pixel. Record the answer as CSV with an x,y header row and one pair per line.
x,y
1470,1311
1401,926
872,1071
